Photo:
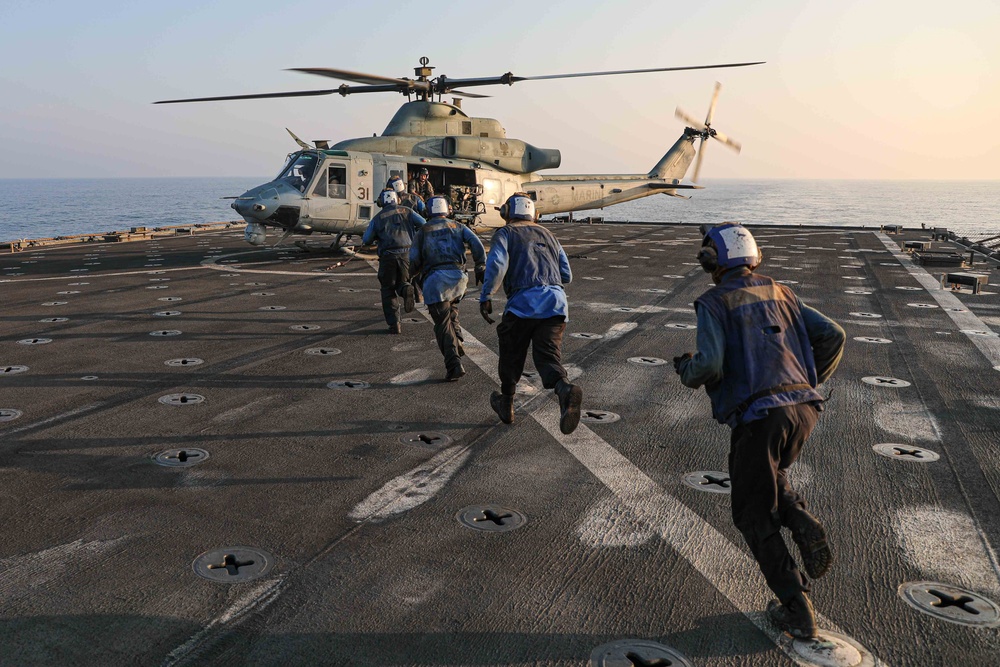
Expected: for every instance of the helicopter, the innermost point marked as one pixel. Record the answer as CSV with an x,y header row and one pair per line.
x,y
333,189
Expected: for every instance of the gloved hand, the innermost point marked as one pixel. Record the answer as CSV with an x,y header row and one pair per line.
x,y
486,309
480,273
679,360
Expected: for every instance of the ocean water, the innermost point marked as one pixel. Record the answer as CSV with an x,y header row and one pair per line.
x,y
37,208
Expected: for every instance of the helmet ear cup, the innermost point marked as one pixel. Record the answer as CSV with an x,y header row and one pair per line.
x,y
708,257
504,210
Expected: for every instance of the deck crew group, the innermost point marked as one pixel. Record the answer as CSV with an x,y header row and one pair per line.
x,y
761,354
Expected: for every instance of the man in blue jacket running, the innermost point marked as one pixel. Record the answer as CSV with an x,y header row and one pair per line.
x,y
532,267
393,228
438,253
761,355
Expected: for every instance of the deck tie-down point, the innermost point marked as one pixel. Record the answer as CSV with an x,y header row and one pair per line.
x,y
711,481
232,565
637,653
491,518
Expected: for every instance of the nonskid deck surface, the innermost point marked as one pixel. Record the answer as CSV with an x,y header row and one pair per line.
x,y
351,494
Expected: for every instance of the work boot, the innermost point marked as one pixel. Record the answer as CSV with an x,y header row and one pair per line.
x,y
810,538
454,373
796,617
396,328
503,405
570,398
408,298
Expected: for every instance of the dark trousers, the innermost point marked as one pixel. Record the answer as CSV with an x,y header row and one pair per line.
x,y
447,331
763,501
393,274
544,337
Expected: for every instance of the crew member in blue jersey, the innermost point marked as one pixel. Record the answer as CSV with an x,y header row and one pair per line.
x,y
393,228
438,254
761,355
532,267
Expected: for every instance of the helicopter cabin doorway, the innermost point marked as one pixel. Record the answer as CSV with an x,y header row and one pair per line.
x,y
459,185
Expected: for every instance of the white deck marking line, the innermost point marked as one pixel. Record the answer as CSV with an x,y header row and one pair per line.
x,y
969,321
989,346
55,418
210,263
86,276
730,570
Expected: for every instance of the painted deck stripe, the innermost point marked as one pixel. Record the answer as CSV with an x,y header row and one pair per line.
x,y
988,345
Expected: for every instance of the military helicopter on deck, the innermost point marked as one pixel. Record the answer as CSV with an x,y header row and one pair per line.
x,y
333,189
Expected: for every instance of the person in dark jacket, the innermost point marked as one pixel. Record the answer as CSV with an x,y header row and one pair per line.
x,y
532,267
393,228
438,254
761,355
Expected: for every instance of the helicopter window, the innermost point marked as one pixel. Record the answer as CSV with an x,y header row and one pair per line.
x,y
491,191
299,173
332,182
466,127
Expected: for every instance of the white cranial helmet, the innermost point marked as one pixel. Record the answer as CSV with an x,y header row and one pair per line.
x,y
439,206
398,185
388,198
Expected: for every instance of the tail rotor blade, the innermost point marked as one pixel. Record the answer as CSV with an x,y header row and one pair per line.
x,y
732,143
711,107
679,114
697,164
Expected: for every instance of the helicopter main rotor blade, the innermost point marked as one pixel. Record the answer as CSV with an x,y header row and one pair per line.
x,y
462,93
509,79
711,107
346,75
344,90
694,124
635,71
258,96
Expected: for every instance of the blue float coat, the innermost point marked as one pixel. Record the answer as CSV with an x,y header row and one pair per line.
x,y
393,227
534,287
707,367
439,251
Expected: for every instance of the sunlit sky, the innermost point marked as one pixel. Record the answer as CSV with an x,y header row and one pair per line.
x,y
877,89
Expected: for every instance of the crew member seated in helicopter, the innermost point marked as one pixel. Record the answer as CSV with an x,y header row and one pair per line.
x,y
421,185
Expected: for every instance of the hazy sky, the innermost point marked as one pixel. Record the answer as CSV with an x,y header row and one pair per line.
x,y
851,89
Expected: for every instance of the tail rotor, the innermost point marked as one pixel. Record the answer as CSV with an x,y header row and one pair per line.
x,y
705,130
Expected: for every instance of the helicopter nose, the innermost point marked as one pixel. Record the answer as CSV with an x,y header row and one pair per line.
x,y
257,206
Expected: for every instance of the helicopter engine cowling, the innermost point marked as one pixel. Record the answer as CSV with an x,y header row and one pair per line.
x,y
508,154
255,233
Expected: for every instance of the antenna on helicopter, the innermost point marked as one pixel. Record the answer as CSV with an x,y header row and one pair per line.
x,y
705,130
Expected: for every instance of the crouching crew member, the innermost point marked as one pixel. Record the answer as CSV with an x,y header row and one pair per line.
x,y
761,355
393,228
528,260
438,253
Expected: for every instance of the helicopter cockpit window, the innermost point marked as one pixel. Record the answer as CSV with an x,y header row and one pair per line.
x,y
332,182
299,173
